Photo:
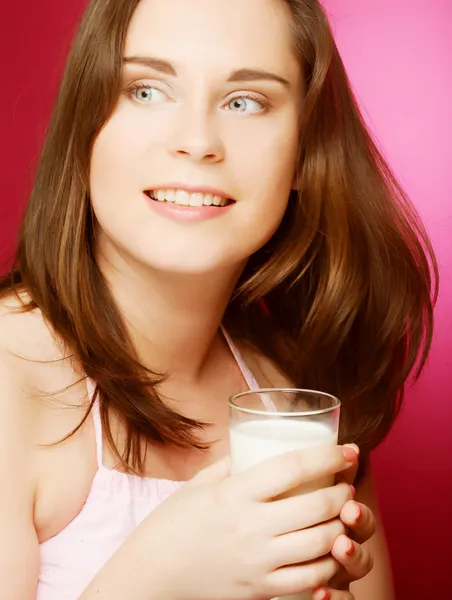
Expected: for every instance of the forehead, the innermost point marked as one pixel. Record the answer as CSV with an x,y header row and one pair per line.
x,y
221,34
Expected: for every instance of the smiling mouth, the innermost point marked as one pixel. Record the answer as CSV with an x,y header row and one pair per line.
x,y
185,198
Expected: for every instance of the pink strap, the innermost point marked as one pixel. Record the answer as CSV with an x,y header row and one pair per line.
x,y
247,374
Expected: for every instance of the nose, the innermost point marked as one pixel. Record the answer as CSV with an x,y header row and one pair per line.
x,y
196,137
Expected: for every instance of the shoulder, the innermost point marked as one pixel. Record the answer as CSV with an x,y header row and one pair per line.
x,y
43,399
19,434
18,346
31,350
36,376
24,344
17,421
23,333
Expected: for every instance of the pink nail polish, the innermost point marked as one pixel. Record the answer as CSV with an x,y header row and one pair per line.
x,y
349,453
353,491
358,512
351,549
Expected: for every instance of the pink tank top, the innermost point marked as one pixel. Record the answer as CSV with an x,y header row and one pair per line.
x,y
116,505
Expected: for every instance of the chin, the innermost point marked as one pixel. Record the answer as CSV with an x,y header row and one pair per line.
x,y
194,257
193,262
191,268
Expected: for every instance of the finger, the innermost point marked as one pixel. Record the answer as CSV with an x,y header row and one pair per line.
x,y
330,594
296,579
356,559
287,472
359,519
215,472
307,510
349,475
306,545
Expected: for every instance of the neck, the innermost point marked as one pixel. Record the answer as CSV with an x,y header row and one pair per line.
x,y
173,319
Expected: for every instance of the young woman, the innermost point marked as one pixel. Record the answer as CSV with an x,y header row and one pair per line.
x,y
209,214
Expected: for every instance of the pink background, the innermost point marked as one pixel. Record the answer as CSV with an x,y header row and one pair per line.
x,y
399,57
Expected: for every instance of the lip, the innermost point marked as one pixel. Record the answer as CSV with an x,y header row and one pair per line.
x,y
191,189
186,214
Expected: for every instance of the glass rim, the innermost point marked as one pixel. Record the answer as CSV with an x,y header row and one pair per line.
x,y
306,413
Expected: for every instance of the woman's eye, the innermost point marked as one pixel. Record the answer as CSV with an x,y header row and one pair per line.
x,y
244,105
148,95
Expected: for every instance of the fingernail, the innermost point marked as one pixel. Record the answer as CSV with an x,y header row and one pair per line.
x,y
351,548
355,447
349,453
353,491
358,512
323,595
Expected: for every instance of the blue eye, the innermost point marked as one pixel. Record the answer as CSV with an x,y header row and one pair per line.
x,y
243,104
148,95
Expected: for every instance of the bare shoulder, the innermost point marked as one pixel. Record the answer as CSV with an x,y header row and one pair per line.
x,y
31,361
19,484
18,478
16,423
17,332
31,349
25,343
24,340
24,334
39,380
40,373
43,398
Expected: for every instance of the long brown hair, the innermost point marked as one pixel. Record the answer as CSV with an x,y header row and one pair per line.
x,y
349,279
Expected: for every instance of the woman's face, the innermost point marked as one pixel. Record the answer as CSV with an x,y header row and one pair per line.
x,y
192,173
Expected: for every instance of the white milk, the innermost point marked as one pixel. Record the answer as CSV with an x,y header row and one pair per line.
x,y
255,441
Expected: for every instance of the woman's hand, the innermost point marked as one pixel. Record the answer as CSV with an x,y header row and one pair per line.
x,y
355,560
232,537
240,536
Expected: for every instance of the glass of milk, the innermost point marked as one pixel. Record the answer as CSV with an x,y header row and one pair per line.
x,y
267,422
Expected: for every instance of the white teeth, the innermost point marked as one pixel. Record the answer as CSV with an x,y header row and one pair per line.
x,y
196,199
182,198
186,199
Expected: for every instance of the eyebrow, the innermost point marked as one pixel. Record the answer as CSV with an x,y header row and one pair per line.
x,y
163,66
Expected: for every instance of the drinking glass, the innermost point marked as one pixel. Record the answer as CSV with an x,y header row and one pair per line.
x,y
267,422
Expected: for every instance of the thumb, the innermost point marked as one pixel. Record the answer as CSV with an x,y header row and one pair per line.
x,y
215,472
349,475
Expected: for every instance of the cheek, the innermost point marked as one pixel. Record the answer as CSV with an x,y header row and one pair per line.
x,y
266,166
265,153
115,162
274,164
127,153
114,182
